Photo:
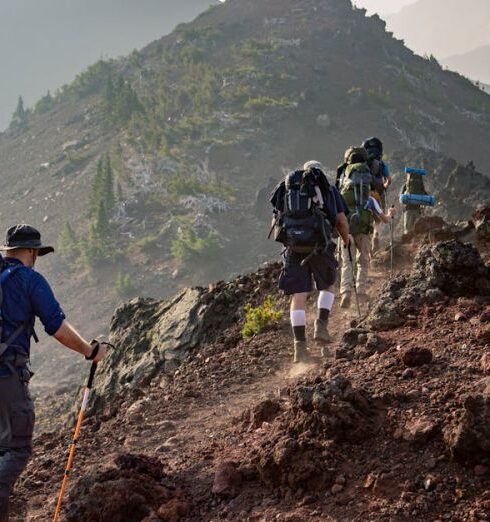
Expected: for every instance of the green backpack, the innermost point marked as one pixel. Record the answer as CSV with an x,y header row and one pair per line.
x,y
356,189
415,185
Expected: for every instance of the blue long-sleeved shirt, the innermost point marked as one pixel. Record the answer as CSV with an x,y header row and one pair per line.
x,y
27,295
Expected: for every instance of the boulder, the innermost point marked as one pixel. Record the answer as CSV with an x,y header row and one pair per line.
x,y
153,336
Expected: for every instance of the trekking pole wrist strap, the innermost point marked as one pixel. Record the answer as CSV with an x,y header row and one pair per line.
x,y
94,353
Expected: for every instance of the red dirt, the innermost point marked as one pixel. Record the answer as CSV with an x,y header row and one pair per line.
x,y
389,443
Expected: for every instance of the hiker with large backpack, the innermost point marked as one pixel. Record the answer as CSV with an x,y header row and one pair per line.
x,y
307,214
24,295
382,179
357,189
414,185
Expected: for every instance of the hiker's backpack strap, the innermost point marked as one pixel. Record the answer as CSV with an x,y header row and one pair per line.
x,y
4,277
277,197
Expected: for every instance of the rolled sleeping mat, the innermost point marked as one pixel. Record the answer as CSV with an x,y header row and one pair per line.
x,y
418,199
410,170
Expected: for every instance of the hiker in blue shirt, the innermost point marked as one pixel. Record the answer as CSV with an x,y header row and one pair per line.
x,y
26,295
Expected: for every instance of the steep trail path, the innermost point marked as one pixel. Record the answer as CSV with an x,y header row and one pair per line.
x,y
185,421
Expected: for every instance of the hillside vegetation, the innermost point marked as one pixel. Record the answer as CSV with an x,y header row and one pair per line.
x,y
146,169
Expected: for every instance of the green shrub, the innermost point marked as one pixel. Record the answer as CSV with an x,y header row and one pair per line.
x,y
182,184
261,318
148,243
124,285
189,247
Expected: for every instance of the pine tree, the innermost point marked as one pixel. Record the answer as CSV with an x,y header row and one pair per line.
x,y
68,242
20,115
107,194
97,188
101,222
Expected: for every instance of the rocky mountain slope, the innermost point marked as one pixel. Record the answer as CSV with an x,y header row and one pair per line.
x,y
192,422
198,125
442,27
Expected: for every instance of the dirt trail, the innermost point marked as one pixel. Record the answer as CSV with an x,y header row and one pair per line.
x,y
185,422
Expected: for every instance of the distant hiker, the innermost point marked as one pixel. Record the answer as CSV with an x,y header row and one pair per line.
x,y
307,210
26,295
357,189
414,184
381,180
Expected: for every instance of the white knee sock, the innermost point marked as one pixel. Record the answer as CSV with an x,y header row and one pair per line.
x,y
325,300
298,318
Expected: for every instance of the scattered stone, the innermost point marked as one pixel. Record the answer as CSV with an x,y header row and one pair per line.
x,y
227,480
460,316
468,438
485,363
375,344
408,373
413,356
336,489
420,430
350,339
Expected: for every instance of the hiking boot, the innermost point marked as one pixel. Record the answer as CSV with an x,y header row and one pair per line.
x,y
321,332
300,352
4,509
345,301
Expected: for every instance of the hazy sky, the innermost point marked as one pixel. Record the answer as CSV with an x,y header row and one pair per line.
x,y
383,6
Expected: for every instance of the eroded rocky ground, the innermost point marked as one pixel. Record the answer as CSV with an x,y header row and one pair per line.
x,y
393,425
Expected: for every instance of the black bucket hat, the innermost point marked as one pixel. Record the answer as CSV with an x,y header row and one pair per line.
x,y
25,236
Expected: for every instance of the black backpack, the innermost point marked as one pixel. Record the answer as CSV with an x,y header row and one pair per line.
x,y
300,222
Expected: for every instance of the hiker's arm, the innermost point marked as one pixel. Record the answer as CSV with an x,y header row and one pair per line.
x,y
343,227
388,179
69,337
389,216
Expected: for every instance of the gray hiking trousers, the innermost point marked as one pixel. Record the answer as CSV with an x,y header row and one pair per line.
x,y
16,427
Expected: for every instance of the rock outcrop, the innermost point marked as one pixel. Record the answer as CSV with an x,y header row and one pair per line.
x,y
152,338
448,268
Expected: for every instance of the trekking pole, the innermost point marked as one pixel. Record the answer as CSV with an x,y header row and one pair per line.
x,y
351,259
76,436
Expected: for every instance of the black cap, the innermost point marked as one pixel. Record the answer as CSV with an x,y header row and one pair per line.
x,y
25,236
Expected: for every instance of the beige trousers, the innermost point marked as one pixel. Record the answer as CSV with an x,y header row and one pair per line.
x,y
410,217
361,254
